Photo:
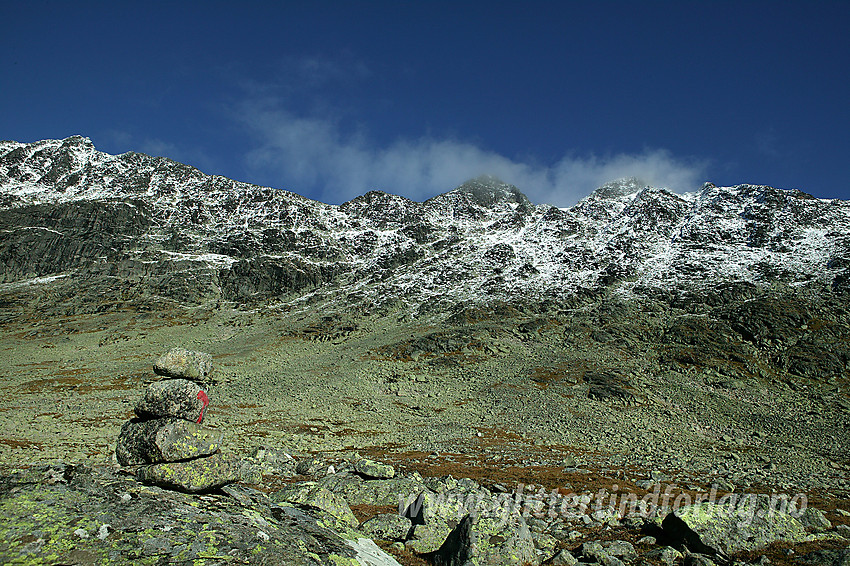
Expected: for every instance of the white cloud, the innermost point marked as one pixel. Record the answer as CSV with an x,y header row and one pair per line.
x,y
313,155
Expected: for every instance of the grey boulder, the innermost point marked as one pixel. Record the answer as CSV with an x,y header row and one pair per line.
x,y
178,398
487,539
748,522
164,440
373,470
186,364
200,474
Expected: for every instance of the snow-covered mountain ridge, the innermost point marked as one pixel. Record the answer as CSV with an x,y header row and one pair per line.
x,y
174,232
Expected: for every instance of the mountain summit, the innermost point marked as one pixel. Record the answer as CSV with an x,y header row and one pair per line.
x,y
487,190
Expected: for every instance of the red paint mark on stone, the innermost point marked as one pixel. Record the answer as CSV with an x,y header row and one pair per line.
x,y
206,401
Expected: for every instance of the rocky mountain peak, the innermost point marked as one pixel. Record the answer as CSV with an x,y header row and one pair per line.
x,y
619,188
487,190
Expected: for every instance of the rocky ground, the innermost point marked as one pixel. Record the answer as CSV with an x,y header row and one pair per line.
x,y
747,393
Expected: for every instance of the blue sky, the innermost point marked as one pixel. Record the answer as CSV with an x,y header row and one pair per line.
x,y
331,99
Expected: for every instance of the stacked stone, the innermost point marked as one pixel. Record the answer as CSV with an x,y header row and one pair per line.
x,y
166,442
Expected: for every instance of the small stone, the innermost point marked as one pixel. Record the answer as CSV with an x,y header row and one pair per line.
x,y
544,543
621,549
371,469
815,520
186,364
310,467
722,484
564,558
274,461
668,555
598,553
697,560
103,531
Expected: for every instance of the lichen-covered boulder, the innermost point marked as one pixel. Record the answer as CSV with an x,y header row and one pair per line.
x,y
373,470
452,506
63,514
186,364
743,523
312,495
200,474
429,538
359,491
488,540
164,440
178,398
436,514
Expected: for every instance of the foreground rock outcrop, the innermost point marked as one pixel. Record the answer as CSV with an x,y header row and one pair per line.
x,y
64,514
69,514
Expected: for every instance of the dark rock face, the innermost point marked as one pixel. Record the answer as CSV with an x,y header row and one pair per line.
x,y
486,191
45,239
264,278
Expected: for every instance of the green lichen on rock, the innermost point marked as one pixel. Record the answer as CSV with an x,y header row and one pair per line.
x,y
98,517
200,474
318,497
375,470
736,523
164,440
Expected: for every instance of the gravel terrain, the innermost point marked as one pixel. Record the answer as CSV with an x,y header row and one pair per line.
x,y
539,390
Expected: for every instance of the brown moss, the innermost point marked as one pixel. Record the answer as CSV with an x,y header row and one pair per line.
x,y
366,512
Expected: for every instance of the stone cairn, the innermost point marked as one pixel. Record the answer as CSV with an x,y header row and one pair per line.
x,y
166,443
